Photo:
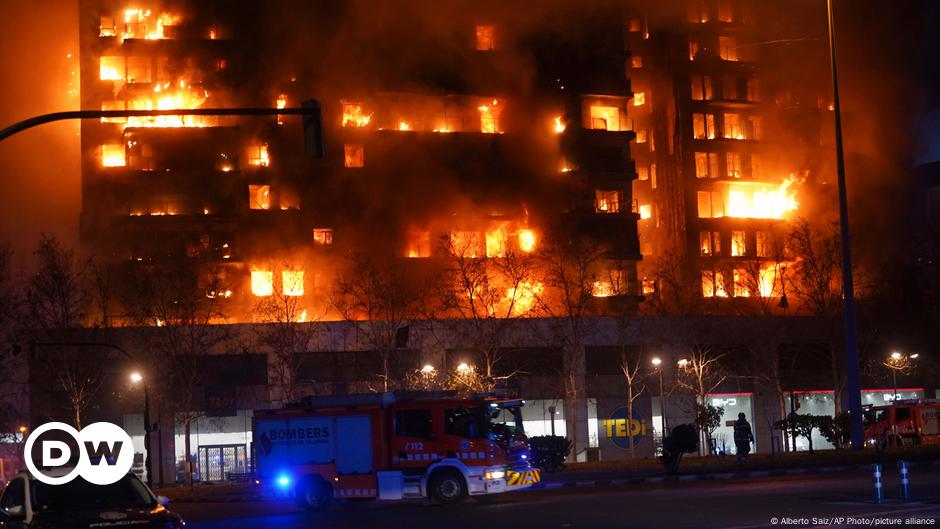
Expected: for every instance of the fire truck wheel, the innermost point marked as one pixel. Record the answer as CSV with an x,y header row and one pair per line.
x,y
314,494
447,487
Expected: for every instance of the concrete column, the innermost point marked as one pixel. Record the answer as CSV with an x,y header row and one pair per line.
x,y
576,411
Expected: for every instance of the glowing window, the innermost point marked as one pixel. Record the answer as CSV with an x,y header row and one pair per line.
x,y
497,241
258,155
741,287
138,70
292,282
728,48
710,242
642,173
702,88
641,136
646,211
639,99
113,105
486,38
636,61
354,155
713,284
756,170
754,129
706,165
733,161
711,204
323,236
607,200
259,196
653,175
698,11
527,240
419,244
605,118
734,128
634,25
262,283
753,89
468,244
112,155
738,243
703,126
693,49
112,69
106,27
729,87
763,244
725,11
289,198
354,115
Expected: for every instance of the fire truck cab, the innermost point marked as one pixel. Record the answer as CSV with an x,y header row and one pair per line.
x,y
905,422
393,446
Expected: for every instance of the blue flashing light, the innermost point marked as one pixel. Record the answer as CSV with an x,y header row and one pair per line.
x,y
283,481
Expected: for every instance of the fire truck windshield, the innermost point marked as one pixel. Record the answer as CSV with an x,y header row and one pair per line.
x,y
504,423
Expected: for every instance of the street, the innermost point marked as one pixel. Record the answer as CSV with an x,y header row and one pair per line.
x,y
764,502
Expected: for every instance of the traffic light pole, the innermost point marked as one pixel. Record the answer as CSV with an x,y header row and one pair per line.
x,y
853,398
310,109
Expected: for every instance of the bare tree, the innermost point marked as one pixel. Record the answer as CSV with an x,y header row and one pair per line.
x,y
674,295
569,267
635,371
816,279
486,294
286,333
56,301
380,299
179,300
13,383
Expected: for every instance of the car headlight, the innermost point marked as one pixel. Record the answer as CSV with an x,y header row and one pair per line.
x,y
495,474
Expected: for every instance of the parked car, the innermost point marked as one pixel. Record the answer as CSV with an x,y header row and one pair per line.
x,y
28,503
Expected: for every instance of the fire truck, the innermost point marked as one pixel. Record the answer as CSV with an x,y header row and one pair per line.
x,y
905,422
393,446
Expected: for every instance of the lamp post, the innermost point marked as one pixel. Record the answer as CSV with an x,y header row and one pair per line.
x,y
657,365
898,361
137,378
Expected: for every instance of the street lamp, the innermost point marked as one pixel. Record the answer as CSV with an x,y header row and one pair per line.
x,y
657,365
463,367
427,369
683,363
898,361
137,378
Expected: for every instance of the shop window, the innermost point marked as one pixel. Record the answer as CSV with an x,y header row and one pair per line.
x,y
738,243
703,126
607,200
486,38
702,88
728,48
323,236
259,196
292,282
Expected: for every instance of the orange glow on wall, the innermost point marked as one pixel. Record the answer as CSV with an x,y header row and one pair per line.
x,y
112,155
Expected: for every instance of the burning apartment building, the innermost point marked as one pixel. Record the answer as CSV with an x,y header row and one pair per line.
x,y
537,192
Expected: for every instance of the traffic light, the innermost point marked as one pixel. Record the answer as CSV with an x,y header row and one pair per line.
x,y
313,128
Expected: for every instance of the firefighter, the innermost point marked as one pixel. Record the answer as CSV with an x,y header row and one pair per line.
x,y
743,436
